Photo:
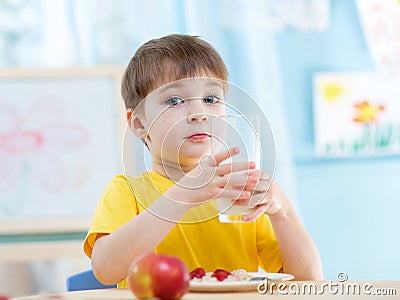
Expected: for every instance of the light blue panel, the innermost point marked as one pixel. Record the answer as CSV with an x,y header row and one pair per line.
x,y
351,207
352,211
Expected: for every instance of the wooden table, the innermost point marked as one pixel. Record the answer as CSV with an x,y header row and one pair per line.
x,y
331,289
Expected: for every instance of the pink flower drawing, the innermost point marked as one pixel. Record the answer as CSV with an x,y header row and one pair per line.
x,y
33,141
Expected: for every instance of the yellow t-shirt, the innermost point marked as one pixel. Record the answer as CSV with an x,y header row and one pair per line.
x,y
208,243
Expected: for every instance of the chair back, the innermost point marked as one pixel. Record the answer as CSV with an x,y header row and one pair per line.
x,y
85,281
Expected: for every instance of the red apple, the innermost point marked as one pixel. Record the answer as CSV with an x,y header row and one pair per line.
x,y
156,275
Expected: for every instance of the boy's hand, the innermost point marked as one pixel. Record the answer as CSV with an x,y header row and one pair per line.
x,y
210,180
267,197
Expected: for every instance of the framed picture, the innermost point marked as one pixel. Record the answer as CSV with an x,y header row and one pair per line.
x,y
356,114
60,144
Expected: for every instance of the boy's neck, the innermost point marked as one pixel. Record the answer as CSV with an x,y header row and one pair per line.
x,y
172,171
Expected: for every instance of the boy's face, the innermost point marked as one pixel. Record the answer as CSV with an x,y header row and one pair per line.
x,y
176,119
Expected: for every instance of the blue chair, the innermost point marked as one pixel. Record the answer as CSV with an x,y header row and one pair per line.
x,y
85,281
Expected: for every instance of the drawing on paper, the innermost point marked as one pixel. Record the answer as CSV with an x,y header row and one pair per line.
x,y
356,115
60,133
380,21
31,142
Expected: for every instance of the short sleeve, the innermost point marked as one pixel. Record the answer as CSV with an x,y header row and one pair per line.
x,y
117,206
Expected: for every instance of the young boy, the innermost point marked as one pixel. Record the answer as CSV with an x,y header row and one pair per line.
x,y
171,87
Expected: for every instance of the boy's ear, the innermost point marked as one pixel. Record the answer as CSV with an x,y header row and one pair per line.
x,y
135,124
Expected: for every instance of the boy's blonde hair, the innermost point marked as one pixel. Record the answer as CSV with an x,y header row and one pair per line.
x,y
170,58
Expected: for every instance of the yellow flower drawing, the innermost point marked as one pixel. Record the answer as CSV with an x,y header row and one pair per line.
x,y
366,112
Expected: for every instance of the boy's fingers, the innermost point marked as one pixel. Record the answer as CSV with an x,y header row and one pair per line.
x,y
261,174
242,202
257,199
225,154
208,160
254,215
237,181
234,194
260,186
234,167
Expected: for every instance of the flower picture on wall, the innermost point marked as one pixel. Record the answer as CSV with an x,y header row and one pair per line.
x,y
356,114
59,140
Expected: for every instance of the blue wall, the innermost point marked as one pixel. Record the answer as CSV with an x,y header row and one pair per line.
x,y
351,207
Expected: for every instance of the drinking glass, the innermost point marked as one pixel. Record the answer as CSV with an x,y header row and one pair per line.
x,y
236,131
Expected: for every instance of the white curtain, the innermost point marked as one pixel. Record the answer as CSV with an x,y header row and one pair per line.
x,y
66,33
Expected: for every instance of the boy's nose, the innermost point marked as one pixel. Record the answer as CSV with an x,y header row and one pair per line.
x,y
197,118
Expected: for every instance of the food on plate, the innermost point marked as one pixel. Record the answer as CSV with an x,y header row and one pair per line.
x,y
197,273
160,276
200,275
221,274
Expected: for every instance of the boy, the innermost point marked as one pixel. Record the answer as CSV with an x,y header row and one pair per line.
x,y
170,88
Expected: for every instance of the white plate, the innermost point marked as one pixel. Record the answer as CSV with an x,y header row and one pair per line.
x,y
236,286
272,276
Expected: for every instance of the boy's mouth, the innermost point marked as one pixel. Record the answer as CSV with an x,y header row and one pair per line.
x,y
199,136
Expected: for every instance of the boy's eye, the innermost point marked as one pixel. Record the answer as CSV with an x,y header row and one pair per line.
x,y
173,101
211,99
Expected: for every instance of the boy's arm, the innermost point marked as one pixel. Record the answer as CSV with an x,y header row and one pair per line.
x,y
112,254
299,253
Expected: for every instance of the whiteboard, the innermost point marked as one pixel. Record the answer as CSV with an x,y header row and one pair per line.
x,y
60,145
